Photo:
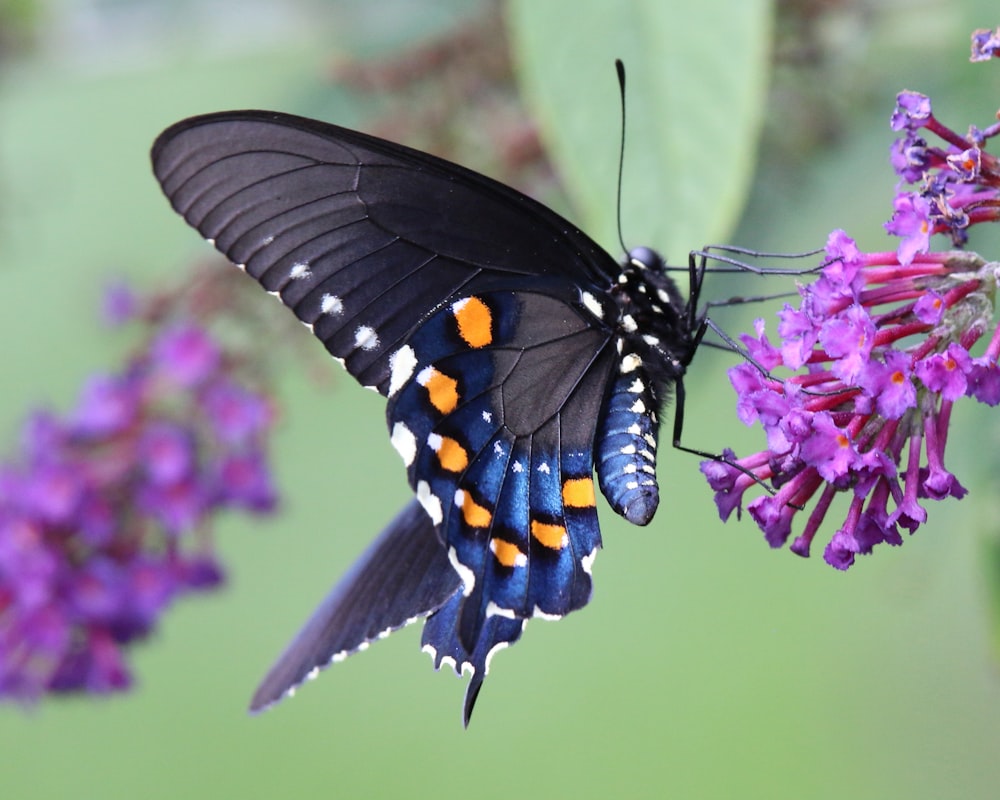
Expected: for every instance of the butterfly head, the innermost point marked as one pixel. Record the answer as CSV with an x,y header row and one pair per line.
x,y
655,318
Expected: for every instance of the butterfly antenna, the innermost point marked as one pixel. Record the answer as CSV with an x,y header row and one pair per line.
x,y
620,69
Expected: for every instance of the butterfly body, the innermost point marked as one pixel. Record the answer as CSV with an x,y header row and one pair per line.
x,y
516,356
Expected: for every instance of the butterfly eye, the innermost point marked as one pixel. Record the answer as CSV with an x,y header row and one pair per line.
x,y
645,258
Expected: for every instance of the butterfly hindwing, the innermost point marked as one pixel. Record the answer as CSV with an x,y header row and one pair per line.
x,y
501,467
403,576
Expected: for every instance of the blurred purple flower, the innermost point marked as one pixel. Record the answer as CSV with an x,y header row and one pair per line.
x,y
103,515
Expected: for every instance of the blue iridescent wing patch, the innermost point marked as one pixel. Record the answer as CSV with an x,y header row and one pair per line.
x,y
516,355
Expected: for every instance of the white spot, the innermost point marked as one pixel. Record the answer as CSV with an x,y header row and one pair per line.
x,y
308,325
649,483
650,440
487,417
517,467
629,324
274,294
383,634
211,241
312,674
466,574
493,610
458,305
544,468
628,450
338,657
652,341
468,669
434,440
498,448
242,267
638,407
401,366
630,469
637,387
647,455
649,469
543,615
622,278
405,442
430,502
630,485
331,304
449,661
619,345
431,650
299,271
339,360
592,304
266,240
629,363
587,562
634,429
365,338
363,646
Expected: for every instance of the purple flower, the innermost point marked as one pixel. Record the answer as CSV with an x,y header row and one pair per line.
x,y
102,518
107,404
910,221
243,479
121,304
186,355
237,414
913,110
167,452
985,44
876,354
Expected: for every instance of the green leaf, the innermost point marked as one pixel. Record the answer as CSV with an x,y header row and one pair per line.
x,y
696,84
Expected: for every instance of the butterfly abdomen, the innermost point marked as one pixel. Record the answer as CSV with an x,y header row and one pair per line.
x,y
625,455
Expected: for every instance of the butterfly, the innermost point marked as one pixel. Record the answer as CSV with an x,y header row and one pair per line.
x,y
517,357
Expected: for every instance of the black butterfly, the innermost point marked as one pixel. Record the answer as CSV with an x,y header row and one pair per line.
x,y
517,356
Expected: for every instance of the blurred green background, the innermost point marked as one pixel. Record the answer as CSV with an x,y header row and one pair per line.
x,y
706,665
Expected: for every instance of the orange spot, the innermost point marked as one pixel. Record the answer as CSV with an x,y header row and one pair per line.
x,y
475,322
842,440
897,377
452,455
553,536
509,555
578,493
475,515
441,389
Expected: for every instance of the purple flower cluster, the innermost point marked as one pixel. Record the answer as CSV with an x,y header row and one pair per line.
x,y
857,396
103,515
